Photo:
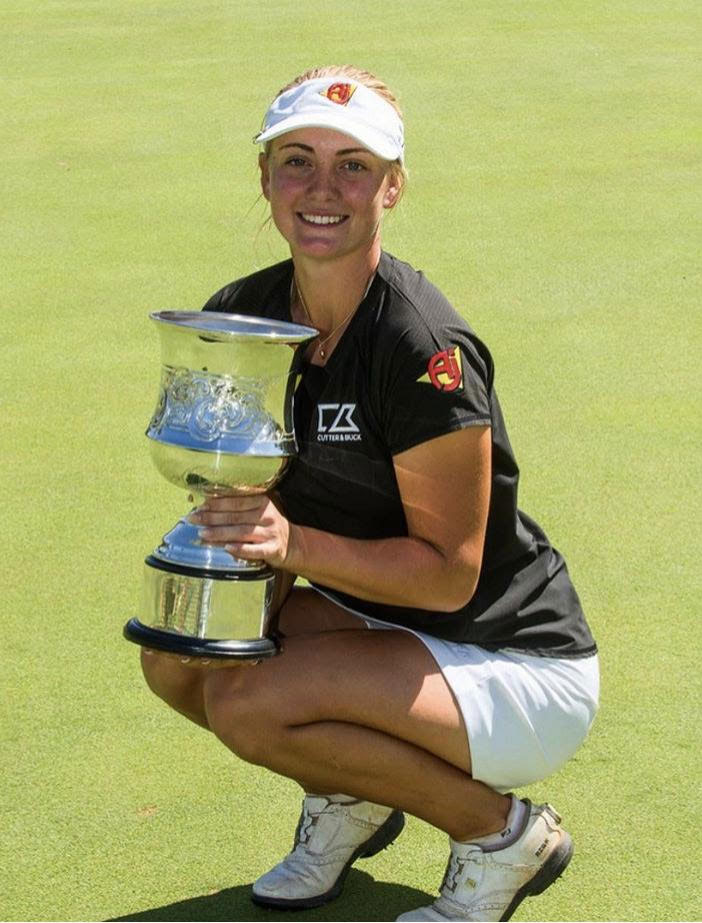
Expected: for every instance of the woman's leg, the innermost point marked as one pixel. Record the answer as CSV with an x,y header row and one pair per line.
x,y
179,680
366,713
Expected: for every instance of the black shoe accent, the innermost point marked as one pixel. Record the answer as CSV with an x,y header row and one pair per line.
x,y
380,840
552,869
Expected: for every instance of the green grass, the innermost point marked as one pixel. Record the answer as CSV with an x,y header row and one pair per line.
x,y
555,197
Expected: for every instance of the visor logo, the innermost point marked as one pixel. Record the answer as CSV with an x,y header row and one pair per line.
x,y
339,93
444,370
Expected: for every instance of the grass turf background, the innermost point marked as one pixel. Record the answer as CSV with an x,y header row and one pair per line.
x,y
554,196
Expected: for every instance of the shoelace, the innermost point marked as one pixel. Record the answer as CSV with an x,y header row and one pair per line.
x,y
452,875
304,830
308,820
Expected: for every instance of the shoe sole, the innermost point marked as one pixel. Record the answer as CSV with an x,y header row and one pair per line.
x,y
381,839
552,869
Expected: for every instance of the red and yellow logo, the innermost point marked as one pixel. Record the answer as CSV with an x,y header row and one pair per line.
x,y
339,93
444,370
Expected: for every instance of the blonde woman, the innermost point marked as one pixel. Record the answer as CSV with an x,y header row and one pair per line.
x,y
438,658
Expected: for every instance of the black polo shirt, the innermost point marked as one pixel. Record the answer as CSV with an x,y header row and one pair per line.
x,y
407,369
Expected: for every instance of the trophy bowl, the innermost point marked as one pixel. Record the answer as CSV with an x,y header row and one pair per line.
x,y
223,425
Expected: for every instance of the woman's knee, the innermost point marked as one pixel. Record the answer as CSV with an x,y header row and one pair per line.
x,y
161,672
240,713
177,684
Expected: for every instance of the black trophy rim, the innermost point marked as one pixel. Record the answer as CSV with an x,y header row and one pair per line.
x,y
203,572
188,646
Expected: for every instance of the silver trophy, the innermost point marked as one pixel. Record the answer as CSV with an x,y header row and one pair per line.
x,y
223,425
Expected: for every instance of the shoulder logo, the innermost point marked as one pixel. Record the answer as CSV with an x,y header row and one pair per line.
x,y
339,93
445,370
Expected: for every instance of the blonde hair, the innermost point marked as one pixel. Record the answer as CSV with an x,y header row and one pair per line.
x,y
398,173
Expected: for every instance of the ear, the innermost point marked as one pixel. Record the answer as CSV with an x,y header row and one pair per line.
x,y
392,194
265,175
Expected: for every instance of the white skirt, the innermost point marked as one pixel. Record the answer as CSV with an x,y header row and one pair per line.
x,y
525,715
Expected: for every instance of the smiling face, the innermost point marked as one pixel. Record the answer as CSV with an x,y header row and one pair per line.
x,y
327,193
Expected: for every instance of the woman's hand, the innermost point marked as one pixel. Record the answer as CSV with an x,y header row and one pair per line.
x,y
250,527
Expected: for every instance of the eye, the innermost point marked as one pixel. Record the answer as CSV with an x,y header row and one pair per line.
x,y
354,166
295,161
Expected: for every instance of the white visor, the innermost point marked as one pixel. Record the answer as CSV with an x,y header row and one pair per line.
x,y
345,106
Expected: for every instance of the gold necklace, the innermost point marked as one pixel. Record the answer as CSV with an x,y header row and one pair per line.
x,y
321,343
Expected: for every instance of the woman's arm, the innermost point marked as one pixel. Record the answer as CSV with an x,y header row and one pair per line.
x,y
445,490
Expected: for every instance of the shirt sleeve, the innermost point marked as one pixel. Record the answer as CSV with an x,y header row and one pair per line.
x,y
225,299
262,294
437,380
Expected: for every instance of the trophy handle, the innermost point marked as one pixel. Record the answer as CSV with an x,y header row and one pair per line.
x,y
291,388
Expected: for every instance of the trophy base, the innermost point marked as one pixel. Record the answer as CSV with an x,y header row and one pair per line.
x,y
186,646
194,612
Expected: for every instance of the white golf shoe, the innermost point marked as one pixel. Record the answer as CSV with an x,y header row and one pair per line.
x,y
333,831
490,883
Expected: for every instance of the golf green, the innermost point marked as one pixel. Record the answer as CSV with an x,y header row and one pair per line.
x,y
554,196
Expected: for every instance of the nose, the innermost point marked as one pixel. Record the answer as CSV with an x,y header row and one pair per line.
x,y
323,183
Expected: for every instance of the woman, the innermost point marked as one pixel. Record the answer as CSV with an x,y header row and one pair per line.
x,y
480,673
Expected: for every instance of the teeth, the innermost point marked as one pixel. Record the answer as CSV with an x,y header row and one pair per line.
x,y
323,219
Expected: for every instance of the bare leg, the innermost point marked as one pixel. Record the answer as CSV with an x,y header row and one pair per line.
x,y
181,685
362,712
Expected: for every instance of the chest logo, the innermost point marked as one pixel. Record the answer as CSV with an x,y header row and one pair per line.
x,y
335,423
445,370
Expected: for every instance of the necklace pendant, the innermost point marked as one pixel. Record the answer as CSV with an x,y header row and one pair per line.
x,y
322,354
